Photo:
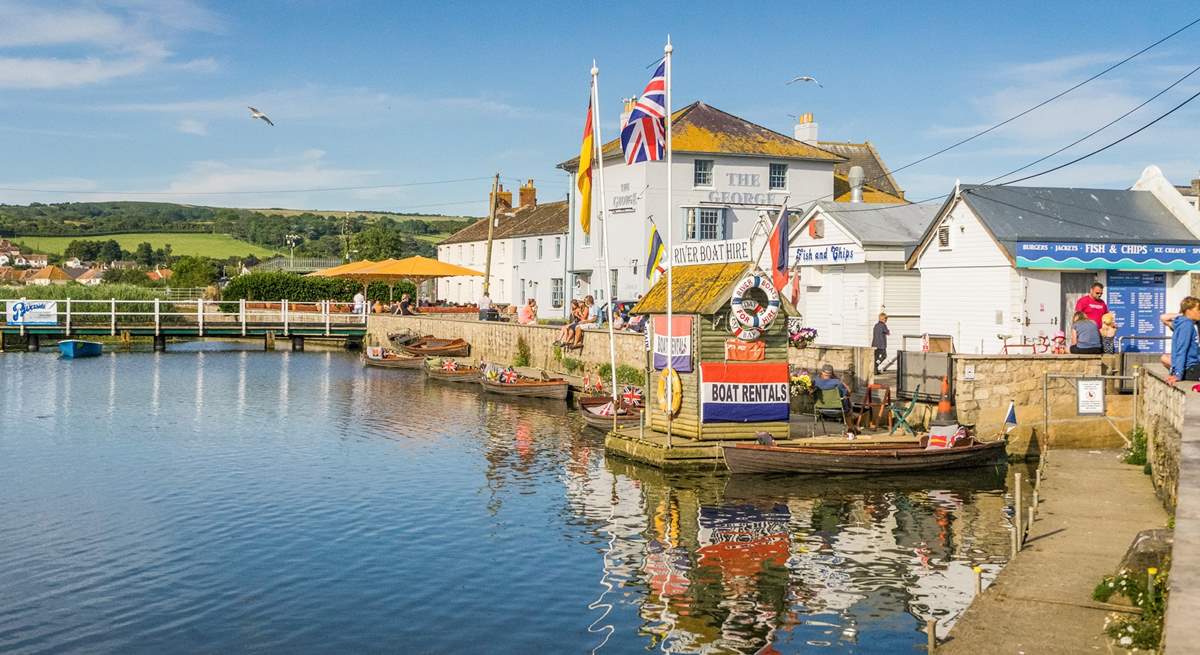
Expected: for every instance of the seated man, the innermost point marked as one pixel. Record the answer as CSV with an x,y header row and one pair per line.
x,y
592,319
828,380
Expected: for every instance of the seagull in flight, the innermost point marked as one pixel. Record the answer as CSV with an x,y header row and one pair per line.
x,y
805,78
254,113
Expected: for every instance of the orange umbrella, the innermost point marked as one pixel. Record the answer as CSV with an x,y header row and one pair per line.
x,y
417,269
343,269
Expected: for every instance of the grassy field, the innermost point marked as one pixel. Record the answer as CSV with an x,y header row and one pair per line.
x,y
369,215
218,246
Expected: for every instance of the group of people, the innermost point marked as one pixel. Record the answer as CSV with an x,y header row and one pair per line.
x,y
403,307
1093,327
584,314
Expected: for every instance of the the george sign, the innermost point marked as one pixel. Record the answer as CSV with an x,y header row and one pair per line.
x,y
743,392
678,343
846,253
1089,397
1108,256
711,252
32,312
1137,300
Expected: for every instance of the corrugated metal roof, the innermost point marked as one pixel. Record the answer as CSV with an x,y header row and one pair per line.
x,y
705,129
1014,214
546,218
883,225
875,172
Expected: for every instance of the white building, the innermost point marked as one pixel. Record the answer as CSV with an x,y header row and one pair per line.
x,y
850,262
729,177
529,254
1000,260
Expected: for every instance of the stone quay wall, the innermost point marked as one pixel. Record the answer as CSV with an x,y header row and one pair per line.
x,y
851,362
496,341
1161,409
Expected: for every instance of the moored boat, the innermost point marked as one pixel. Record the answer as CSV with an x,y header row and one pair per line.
x,y
591,408
554,388
429,346
437,370
75,349
381,358
817,460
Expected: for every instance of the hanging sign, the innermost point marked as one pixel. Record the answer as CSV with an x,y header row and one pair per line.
x,y
846,253
1089,397
32,312
677,345
711,252
745,351
743,392
1110,256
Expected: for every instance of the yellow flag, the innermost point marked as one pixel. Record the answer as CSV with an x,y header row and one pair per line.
x,y
583,179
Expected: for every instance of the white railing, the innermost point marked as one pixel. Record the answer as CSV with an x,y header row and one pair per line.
x,y
204,316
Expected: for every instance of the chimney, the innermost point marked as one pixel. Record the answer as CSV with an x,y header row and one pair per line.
x,y
528,195
806,129
856,183
627,105
503,201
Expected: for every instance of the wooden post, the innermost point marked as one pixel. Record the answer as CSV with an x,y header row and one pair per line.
x,y
978,580
1018,515
1029,524
931,634
487,261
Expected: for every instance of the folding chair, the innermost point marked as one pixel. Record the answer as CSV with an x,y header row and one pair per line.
x,y
829,405
900,414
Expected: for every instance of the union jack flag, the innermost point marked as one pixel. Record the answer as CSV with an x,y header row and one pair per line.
x,y
449,365
632,396
508,377
643,138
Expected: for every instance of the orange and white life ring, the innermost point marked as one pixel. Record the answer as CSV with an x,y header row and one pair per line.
x,y
669,406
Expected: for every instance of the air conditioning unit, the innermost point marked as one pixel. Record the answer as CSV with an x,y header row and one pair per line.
x,y
816,228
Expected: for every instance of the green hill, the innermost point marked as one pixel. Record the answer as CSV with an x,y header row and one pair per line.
x,y
218,246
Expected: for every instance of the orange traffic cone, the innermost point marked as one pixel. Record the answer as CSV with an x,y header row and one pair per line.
x,y
945,411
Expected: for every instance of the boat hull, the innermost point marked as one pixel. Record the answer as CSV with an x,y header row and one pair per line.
x,y
394,362
460,375
553,389
76,349
586,403
755,458
431,347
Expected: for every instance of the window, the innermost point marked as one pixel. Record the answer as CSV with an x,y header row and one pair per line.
x,y
705,223
460,259
778,176
524,252
612,284
943,236
556,292
558,248
539,249
522,289
702,172
472,260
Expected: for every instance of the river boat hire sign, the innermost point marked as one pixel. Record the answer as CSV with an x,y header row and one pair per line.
x,y
711,252
31,312
742,392
677,345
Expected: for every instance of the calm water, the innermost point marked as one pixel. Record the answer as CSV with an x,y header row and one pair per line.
x,y
295,502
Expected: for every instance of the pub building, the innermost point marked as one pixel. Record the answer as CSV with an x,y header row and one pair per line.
x,y
1009,260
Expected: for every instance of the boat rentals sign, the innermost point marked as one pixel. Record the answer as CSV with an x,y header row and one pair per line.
x,y
743,392
31,312
677,345
711,252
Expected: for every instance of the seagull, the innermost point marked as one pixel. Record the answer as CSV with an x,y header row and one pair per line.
x,y
805,78
254,113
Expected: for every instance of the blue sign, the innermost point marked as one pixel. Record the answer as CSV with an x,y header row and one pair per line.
x,y
1068,255
1137,300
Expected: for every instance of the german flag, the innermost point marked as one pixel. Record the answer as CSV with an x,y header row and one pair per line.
x,y
583,179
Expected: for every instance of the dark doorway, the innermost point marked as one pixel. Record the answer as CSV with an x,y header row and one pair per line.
x,y
1074,287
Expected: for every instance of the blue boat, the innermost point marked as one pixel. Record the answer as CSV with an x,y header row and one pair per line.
x,y
74,348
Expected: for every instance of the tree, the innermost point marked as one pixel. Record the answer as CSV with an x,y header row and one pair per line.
x,y
193,272
126,276
144,255
110,251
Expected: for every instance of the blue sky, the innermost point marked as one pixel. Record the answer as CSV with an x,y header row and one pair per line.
x,y
138,95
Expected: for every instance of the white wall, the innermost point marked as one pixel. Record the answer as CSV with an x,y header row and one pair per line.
x,y
509,272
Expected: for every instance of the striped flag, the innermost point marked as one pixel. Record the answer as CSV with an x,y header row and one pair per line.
x,y
1010,419
643,138
655,255
779,251
583,179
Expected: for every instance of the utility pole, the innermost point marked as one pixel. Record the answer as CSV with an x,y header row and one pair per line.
x,y
487,262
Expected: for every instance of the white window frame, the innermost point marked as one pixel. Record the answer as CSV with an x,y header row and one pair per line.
x,y
557,248
539,249
696,173
693,226
783,185
524,250
943,238
557,291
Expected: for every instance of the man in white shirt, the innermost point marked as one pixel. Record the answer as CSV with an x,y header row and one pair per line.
x,y
360,302
485,307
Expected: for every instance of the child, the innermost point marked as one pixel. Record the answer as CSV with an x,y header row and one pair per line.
x,y
1059,344
1185,342
1108,332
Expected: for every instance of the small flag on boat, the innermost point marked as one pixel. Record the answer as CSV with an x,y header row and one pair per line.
x,y
1010,419
509,376
632,396
449,366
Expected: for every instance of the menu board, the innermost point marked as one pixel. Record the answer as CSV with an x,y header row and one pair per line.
x,y
1137,300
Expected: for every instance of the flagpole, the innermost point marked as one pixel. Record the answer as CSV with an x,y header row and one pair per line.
x,y
667,49
598,146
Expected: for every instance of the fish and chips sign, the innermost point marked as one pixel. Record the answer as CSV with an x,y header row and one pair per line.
x,y
743,392
677,345
711,252
25,312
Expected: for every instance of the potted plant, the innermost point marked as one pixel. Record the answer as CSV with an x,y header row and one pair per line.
x,y
801,337
801,392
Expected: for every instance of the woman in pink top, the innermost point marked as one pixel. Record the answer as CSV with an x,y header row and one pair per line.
x,y
527,313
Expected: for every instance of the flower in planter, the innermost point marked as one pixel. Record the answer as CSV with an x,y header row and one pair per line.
x,y
802,337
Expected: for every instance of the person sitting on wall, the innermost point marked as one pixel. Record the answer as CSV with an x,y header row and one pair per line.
x,y
1085,336
829,380
1058,345
1185,342
567,333
406,306
527,313
590,318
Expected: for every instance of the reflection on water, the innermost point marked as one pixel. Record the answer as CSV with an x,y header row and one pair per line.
x,y
212,501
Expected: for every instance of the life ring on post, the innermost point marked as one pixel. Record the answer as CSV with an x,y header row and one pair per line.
x,y
764,314
745,333
669,406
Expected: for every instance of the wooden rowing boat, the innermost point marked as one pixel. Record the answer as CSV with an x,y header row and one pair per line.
x,y
75,348
555,389
380,358
460,374
756,458
589,407
428,346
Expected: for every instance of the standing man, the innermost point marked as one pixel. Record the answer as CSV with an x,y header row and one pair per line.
x,y
1093,305
879,338
485,307
360,302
